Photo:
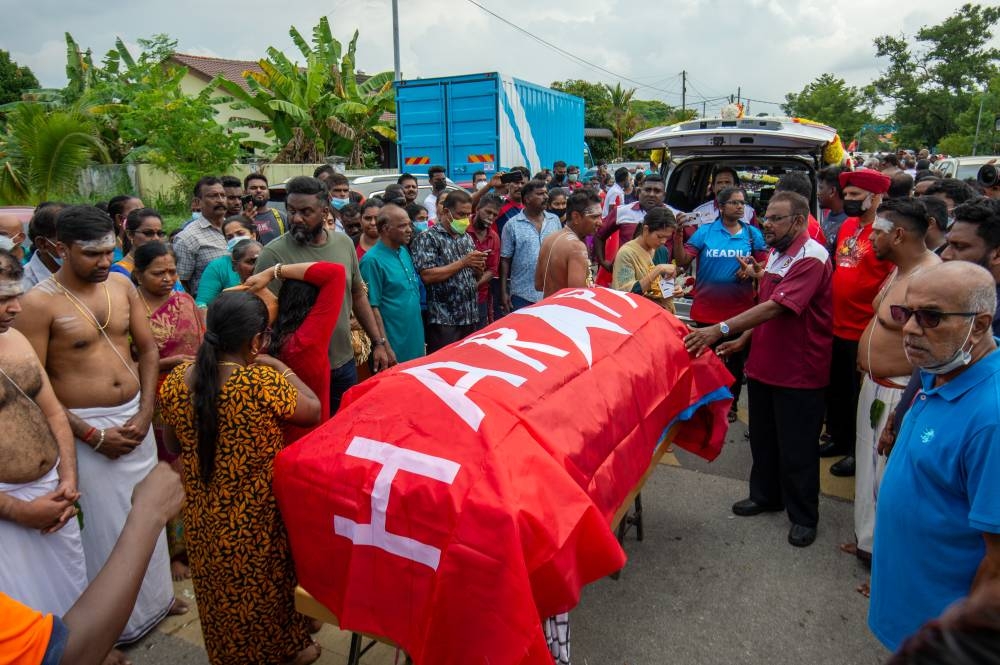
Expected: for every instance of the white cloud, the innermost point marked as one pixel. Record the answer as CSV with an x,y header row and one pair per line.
x,y
766,47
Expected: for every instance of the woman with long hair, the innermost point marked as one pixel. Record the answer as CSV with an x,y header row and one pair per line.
x,y
634,270
225,413
178,330
309,303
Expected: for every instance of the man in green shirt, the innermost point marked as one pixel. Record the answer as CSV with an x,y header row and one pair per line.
x,y
393,285
307,240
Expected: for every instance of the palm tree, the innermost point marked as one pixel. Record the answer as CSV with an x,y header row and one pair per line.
x,y
623,120
42,152
319,109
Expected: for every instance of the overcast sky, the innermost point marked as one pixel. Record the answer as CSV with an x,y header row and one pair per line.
x,y
767,47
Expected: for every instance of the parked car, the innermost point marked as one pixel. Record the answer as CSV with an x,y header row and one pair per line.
x,y
760,149
962,167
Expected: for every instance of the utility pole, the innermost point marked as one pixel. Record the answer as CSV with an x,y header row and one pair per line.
x,y
395,38
975,141
738,95
684,90
704,109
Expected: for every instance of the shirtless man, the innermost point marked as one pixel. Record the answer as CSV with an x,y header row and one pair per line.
x,y
898,237
563,261
80,321
41,561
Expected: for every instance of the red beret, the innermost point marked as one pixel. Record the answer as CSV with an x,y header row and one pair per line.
x,y
866,179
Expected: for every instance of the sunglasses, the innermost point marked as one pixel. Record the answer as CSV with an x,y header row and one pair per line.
x,y
926,318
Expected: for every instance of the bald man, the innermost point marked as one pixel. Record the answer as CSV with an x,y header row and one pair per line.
x,y
938,515
11,227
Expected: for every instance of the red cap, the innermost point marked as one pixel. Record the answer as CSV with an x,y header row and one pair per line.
x,y
866,179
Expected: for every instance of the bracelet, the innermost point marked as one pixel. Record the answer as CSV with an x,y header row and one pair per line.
x,y
100,442
277,271
90,433
287,373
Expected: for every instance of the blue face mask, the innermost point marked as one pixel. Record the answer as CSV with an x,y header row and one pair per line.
x,y
420,227
232,242
339,203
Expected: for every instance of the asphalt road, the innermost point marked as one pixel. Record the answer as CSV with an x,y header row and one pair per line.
x,y
703,587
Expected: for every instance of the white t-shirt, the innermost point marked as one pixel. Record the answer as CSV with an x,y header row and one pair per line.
x,y
430,204
614,197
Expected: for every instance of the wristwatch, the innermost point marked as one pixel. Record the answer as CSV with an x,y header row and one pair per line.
x,y
724,328
379,342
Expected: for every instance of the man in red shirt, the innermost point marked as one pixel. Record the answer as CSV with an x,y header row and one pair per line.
x,y
858,274
486,240
788,367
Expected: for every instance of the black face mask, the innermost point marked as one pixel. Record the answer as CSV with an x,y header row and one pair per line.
x,y
782,243
855,208
439,185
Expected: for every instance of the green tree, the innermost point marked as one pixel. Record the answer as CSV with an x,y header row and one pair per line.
x,y
963,139
174,132
623,119
830,100
14,79
43,151
933,83
319,109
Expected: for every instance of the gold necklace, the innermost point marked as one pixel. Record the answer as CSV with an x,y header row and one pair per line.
x,y
82,306
228,363
165,333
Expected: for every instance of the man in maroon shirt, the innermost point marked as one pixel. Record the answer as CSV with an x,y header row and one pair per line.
x,y
486,240
788,367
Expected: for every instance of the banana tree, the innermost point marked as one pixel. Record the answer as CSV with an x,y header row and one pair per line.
x,y
319,109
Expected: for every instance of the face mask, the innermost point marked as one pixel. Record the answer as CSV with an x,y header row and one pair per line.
x,y
558,177
460,225
573,177
439,185
961,358
232,242
557,212
855,208
6,243
339,203
951,220
782,243
480,184
420,227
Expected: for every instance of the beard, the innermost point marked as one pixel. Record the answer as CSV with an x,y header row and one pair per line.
x,y
303,235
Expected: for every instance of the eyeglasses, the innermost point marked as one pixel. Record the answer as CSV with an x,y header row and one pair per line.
x,y
774,219
735,202
926,318
149,233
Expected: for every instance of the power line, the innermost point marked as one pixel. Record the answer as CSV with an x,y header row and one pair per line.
x,y
569,55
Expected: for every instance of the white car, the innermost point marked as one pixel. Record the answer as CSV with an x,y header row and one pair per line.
x,y
962,167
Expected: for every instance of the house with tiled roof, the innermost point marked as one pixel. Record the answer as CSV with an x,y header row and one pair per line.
x,y
202,70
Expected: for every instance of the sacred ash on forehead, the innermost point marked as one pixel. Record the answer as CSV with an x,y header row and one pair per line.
x,y
105,243
10,288
882,224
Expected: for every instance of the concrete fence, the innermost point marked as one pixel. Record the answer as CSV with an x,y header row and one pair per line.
x,y
152,184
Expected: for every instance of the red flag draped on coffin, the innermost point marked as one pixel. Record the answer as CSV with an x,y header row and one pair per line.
x,y
458,498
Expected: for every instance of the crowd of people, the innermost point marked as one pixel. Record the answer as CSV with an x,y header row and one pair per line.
x,y
214,347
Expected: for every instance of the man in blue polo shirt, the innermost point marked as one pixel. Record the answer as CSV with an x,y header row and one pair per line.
x,y
938,515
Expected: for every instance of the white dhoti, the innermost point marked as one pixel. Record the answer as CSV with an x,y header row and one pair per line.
x,y
43,571
106,498
869,465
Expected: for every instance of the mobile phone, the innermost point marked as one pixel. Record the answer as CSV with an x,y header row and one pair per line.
x,y
513,176
246,199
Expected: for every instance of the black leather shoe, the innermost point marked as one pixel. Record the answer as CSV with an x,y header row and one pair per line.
x,y
844,468
831,449
801,536
749,507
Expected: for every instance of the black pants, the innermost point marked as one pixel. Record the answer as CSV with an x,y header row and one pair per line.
x,y
842,395
734,362
439,336
784,427
341,379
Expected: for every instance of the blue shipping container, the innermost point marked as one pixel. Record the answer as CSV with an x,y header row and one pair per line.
x,y
485,122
